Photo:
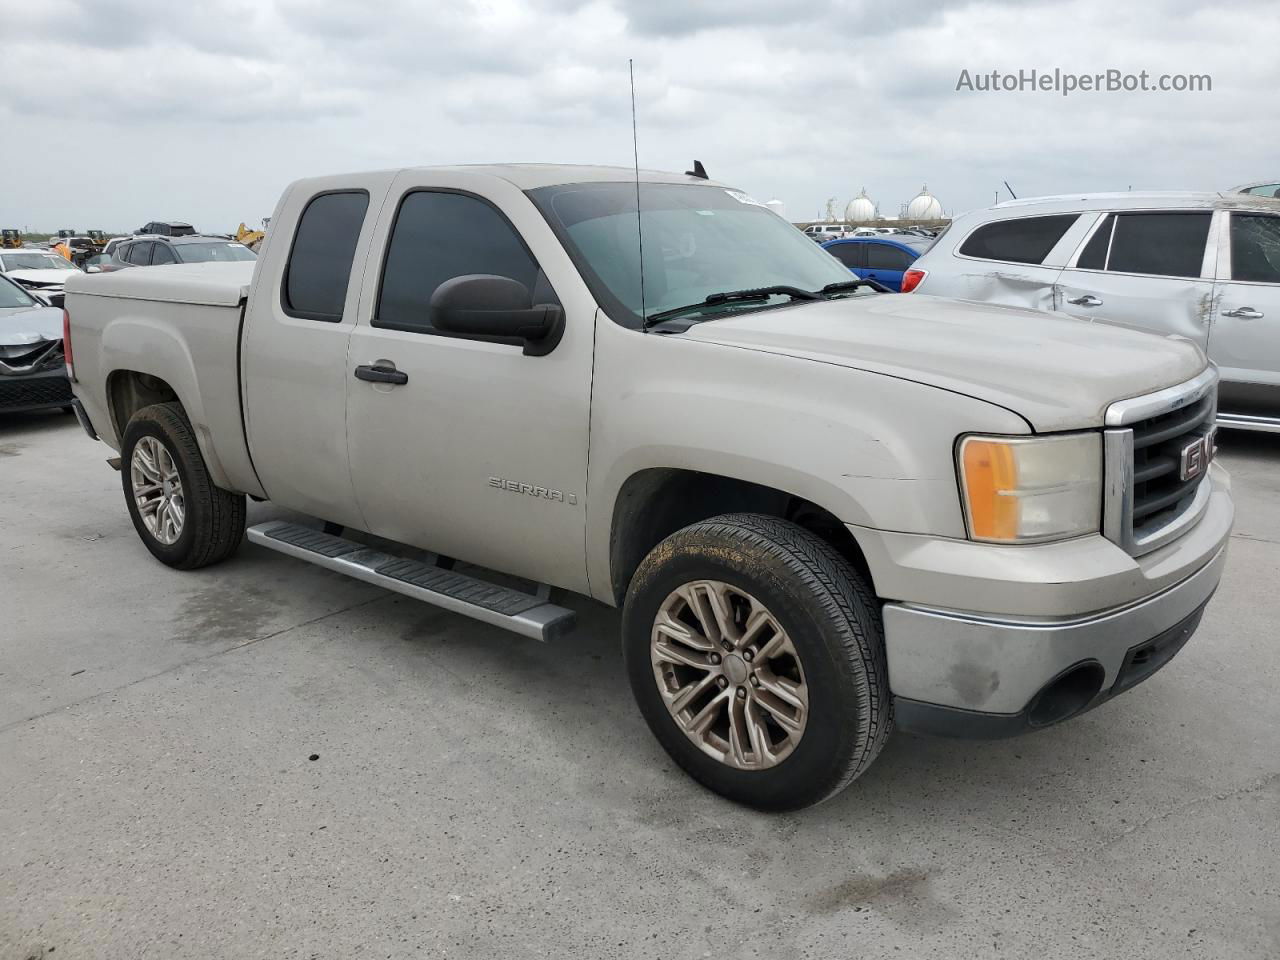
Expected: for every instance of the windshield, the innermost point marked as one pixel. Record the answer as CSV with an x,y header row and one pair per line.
x,y
214,250
11,295
34,261
697,241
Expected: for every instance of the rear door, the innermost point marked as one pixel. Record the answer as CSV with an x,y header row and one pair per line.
x,y
1245,337
294,345
481,452
1015,260
1148,268
886,263
852,253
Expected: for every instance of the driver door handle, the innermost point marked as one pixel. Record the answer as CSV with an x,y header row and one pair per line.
x,y
1243,313
376,374
1087,300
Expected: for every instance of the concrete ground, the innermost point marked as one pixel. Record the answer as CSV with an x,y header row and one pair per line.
x,y
264,759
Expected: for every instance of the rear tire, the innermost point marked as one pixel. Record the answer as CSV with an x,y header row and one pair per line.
x,y
181,516
804,704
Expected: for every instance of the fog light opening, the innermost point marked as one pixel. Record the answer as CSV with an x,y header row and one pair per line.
x,y
1067,694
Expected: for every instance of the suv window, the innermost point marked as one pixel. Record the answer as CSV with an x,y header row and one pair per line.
x,y
1158,244
1265,190
881,256
850,254
438,236
324,248
139,254
162,254
1255,248
1024,240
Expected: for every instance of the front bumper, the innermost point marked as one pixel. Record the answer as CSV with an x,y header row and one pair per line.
x,y
987,670
35,391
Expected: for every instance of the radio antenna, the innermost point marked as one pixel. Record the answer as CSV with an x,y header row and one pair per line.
x,y
635,149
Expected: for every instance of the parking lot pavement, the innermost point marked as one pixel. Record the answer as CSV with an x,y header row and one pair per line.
x,y
267,759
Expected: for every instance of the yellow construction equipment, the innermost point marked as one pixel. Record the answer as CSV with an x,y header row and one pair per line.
x,y
11,239
251,238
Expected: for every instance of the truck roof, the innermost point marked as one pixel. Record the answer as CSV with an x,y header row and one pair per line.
x,y
1144,200
529,176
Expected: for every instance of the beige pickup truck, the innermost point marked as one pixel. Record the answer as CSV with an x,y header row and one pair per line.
x,y
821,508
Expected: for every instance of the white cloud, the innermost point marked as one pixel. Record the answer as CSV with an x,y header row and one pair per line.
x,y
141,109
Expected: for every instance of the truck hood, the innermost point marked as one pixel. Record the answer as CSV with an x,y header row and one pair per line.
x,y
1056,371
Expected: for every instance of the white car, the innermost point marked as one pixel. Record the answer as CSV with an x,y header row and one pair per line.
x,y
40,272
821,232
1203,266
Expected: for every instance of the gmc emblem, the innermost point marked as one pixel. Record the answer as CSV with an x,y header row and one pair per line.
x,y
1196,456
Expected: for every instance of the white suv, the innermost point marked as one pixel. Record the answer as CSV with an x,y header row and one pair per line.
x,y
1205,266
821,232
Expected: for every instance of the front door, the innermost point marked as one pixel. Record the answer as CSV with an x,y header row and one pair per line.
x,y
480,451
1150,269
1245,338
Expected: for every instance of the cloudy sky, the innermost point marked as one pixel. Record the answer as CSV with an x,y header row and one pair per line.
x,y
114,113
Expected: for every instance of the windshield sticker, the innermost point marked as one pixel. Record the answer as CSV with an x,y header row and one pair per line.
x,y
744,198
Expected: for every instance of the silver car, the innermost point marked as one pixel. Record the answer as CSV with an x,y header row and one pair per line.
x,y
1205,266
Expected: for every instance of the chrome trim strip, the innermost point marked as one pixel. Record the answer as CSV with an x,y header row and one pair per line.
x,y
1124,412
1244,421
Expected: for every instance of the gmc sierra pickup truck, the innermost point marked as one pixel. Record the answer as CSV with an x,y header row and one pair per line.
x,y
822,509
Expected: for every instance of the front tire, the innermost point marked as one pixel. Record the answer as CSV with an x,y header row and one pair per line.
x,y
181,516
756,655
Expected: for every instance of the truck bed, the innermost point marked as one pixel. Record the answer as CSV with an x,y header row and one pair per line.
x,y
179,324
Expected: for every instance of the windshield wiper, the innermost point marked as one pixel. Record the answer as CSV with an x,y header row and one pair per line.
x,y
734,296
844,285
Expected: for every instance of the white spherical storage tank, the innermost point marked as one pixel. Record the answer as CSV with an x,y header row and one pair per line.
x,y
924,207
860,209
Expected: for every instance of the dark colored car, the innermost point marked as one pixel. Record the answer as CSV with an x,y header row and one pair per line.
x,y
883,259
154,251
167,228
33,374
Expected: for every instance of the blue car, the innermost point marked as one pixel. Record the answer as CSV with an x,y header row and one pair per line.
x,y
883,258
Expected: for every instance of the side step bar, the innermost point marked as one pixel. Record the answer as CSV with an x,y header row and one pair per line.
x,y
523,613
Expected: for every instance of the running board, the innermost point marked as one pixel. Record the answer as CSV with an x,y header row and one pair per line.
x,y
522,613
1244,421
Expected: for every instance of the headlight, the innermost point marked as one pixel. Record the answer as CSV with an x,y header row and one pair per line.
x,y
1031,488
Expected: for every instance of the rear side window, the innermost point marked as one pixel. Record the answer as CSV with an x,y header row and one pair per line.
x,y
850,254
438,236
139,254
1160,244
881,256
1025,240
324,247
1255,248
162,254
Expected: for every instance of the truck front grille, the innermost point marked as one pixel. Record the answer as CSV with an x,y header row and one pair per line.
x,y
1151,498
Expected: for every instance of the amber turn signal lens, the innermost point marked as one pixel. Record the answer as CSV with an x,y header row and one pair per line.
x,y
991,482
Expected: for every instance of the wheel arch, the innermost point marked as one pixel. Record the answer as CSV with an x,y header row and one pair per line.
x,y
655,502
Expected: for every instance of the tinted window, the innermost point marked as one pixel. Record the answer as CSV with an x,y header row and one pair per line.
x,y
439,236
214,250
139,254
1255,248
324,247
162,254
1265,190
850,254
1094,255
1025,240
1163,244
881,256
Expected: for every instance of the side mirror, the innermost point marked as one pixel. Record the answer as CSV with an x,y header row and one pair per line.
x,y
93,268
484,305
